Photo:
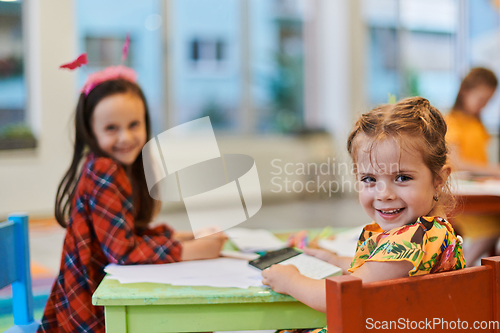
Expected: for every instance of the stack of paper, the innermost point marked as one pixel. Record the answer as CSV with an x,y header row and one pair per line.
x,y
344,243
221,272
254,240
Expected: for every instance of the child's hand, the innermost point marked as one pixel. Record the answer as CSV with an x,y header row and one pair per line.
x,y
299,239
322,254
213,244
207,247
279,277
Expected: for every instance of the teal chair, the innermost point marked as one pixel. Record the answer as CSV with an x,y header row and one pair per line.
x,y
15,271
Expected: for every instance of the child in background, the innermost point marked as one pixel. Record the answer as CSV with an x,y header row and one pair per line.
x,y
105,205
469,140
399,154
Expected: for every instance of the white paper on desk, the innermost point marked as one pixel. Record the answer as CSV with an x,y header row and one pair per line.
x,y
239,255
221,272
254,240
464,187
344,243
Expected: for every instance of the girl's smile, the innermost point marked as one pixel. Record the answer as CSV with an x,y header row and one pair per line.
x,y
390,214
396,185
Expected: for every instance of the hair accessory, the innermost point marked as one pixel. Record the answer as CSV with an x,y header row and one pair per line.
x,y
436,198
81,60
109,73
125,48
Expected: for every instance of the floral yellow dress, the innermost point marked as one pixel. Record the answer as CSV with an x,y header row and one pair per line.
x,y
430,244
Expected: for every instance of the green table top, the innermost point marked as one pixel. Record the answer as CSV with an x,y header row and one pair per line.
x,y
112,292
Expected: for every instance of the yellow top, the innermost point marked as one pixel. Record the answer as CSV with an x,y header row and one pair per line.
x,y
468,134
430,244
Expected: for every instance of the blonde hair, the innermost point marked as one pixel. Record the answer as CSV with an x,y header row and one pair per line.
x,y
412,122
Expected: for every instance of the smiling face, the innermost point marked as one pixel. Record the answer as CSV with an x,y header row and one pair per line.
x,y
396,187
119,126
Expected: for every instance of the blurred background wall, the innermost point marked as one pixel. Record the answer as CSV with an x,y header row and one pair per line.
x,y
282,80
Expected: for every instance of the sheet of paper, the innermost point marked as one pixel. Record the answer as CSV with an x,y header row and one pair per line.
x,y
221,272
344,243
312,267
239,255
254,240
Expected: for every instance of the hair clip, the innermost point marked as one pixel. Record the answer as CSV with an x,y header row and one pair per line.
x,y
125,48
109,73
81,60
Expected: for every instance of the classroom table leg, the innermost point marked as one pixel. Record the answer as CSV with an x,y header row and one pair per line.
x,y
115,319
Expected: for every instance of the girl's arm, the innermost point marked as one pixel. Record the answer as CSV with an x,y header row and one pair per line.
x,y
113,221
332,258
286,279
203,248
183,235
372,271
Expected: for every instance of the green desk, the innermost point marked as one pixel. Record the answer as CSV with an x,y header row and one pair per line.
x,y
150,307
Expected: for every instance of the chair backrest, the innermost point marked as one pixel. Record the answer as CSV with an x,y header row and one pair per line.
x,y
15,266
439,302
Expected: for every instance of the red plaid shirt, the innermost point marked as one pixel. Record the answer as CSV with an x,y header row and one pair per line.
x,y
100,231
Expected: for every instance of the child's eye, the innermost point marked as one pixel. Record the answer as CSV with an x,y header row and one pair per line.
x,y
403,178
134,124
110,128
368,179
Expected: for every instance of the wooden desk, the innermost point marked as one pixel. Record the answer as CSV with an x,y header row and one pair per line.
x,y
477,204
477,197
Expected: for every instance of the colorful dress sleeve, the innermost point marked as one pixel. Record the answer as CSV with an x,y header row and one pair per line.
x,y
430,244
112,215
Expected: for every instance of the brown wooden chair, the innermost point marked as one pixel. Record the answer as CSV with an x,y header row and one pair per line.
x,y
435,302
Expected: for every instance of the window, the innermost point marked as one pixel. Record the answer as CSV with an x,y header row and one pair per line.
x,y
239,62
483,41
207,50
14,131
106,51
102,27
425,47
412,50
278,62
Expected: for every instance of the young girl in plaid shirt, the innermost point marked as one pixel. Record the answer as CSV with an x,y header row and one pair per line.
x,y
105,205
